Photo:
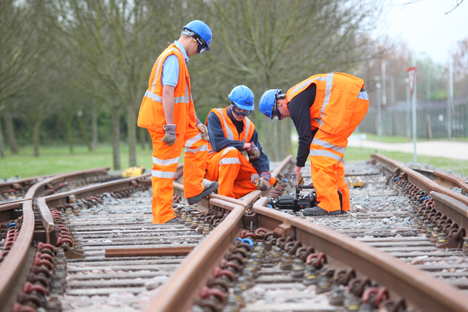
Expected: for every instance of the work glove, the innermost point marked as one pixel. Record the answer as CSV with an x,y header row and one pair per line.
x,y
170,136
296,179
254,152
203,130
262,183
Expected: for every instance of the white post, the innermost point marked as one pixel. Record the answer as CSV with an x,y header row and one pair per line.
x,y
450,102
408,110
384,92
415,157
379,112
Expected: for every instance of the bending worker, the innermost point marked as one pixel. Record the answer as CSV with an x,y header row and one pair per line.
x,y
167,111
325,109
231,133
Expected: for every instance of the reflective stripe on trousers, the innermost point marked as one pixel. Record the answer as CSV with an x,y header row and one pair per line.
x,y
163,174
325,144
325,154
229,161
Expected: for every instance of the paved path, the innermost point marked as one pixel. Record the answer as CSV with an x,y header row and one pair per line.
x,y
446,149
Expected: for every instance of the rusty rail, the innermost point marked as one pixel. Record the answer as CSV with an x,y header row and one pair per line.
x,y
416,178
421,289
427,292
54,200
19,259
13,266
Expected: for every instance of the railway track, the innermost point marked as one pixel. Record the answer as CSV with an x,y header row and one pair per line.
x,y
106,254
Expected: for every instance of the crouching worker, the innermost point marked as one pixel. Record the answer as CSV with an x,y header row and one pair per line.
x,y
325,109
231,133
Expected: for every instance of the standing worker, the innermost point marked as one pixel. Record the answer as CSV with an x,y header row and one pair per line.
x,y
167,111
231,133
325,109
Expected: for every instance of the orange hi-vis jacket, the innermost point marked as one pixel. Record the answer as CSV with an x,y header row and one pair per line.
x,y
229,128
334,100
151,114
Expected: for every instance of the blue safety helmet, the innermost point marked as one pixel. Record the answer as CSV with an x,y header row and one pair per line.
x,y
242,97
268,106
201,32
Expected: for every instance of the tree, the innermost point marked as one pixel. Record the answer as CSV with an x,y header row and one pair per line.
x,y
276,44
110,40
21,41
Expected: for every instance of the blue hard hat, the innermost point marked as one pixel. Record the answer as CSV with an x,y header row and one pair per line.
x,y
201,29
268,101
242,97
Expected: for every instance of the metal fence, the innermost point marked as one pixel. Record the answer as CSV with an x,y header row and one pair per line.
x,y
431,120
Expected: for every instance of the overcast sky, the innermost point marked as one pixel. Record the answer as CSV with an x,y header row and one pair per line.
x,y
426,28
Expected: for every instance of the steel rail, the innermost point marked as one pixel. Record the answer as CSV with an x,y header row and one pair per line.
x,y
9,184
419,288
193,272
418,179
12,267
444,178
73,176
54,200
183,286
425,291
19,259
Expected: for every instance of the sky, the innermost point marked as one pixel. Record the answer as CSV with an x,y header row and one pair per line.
x,y
426,28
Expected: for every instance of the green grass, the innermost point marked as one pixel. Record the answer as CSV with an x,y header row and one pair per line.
x,y
57,159
358,154
455,165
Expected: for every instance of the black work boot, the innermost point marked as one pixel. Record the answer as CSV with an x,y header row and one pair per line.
x,y
317,211
175,220
207,191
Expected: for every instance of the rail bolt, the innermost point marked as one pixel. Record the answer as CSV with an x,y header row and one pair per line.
x,y
325,280
207,229
337,296
189,220
276,254
430,228
195,223
435,235
465,246
297,268
201,227
286,261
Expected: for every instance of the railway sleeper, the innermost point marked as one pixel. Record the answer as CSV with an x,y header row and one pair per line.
x,y
262,257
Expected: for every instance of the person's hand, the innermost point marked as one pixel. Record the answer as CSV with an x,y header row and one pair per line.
x,y
266,176
170,136
262,184
254,152
246,146
296,179
203,130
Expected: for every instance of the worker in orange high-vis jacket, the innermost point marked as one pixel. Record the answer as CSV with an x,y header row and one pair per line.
x,y
325,109
168,113
231,133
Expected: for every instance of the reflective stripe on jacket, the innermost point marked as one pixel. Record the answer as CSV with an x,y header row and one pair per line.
x,y
335,99
151,115
230,130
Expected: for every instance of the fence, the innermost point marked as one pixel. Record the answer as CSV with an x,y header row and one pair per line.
x,y
431,120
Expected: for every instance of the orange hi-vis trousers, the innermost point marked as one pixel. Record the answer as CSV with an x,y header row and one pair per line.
x,y
326,154
233,171
165,161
